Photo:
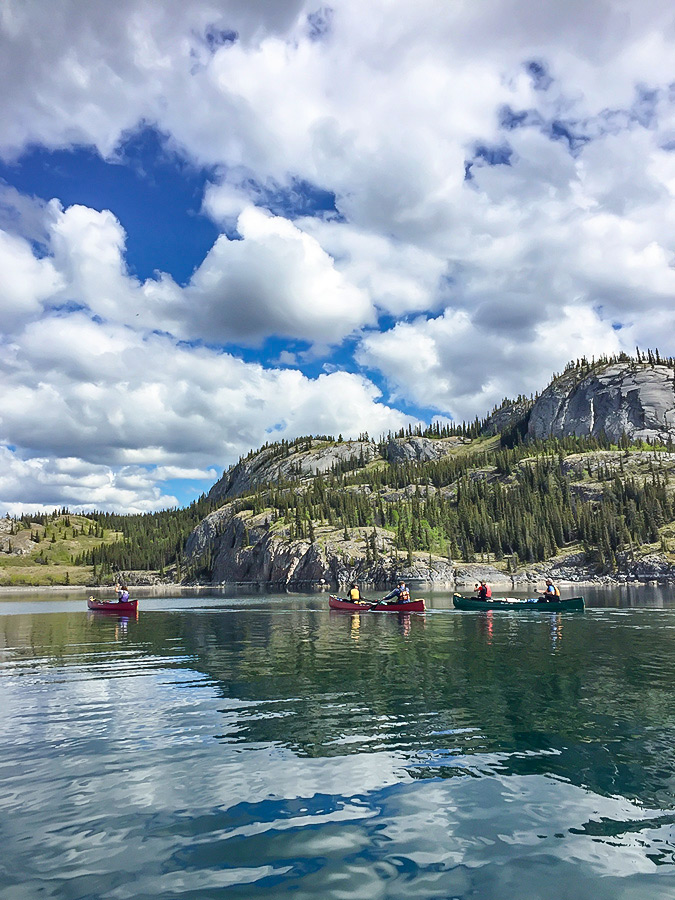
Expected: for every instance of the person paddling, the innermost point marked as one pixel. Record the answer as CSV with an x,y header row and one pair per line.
x,y
550,593
483,591
400,594
122,593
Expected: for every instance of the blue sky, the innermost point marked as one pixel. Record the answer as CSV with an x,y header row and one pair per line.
x,y
155,192
271,219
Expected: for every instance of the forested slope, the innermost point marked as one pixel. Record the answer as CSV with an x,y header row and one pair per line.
x,y
482,502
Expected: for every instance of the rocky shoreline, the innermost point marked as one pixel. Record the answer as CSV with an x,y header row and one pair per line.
x,y
650,570
280,563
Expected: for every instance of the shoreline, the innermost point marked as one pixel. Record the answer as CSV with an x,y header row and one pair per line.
x,y
416,584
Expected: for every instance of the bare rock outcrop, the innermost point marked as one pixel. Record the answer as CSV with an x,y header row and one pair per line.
x,y
278,462
239,547
507,416
635,399
316,457
419,449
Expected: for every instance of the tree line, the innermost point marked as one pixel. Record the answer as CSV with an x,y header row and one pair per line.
x,y
150,541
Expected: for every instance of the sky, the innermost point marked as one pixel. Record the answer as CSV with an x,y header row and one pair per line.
x,y
226,223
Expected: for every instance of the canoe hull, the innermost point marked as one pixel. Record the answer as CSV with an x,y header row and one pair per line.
x,y
573,603
113,606
347,605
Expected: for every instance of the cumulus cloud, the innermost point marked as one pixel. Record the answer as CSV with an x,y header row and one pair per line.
x,y
275,280
399,278
85,76
449,364
108,394
26,282
88,248
503,179
43,483
272,279
22,216
97,415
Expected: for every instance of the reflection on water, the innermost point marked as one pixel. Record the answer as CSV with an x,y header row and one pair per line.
x,y
266,747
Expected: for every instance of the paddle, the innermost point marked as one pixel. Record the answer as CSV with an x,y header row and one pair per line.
x,y
384,602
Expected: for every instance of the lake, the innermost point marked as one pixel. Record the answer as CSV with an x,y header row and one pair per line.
x,y
262,746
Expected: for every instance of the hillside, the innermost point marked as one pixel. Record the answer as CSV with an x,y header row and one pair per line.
x,y
578,481
98,549
45,549
577,507
620,398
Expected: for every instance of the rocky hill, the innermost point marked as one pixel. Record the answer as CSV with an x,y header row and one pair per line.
x,y
244,547
634,400
584,488
619,399
308,457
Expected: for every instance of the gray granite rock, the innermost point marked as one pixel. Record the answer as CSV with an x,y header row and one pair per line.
x,y
304,460
508,415
317,457
635,399
419,449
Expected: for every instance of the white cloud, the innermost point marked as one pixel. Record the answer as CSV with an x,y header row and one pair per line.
x,y
453,365
398,277
509,273
85,75
225,201
26,282
275,280
22,216
101,415
41,484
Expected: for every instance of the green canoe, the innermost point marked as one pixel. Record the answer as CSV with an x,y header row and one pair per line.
x,y
507,604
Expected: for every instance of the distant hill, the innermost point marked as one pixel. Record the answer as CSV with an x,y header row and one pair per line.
x,y
577,481
44,549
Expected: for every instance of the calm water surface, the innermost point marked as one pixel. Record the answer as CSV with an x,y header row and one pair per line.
x,y
250,747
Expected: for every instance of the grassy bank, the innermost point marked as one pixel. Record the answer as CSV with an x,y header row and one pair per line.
x,y
35,553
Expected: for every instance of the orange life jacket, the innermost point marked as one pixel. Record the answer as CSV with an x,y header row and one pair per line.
x,y
403,595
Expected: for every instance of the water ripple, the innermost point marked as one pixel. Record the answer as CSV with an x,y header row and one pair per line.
x,y
284,752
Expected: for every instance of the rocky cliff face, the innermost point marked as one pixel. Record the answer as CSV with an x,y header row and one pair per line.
x,y
629,398
508,415
635,399
302,461
419,449
246,548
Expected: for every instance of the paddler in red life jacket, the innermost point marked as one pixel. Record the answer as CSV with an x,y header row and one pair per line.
x,y
400,594
484,591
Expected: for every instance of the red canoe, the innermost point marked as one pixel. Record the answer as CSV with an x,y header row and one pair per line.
x,y
129,606
369,606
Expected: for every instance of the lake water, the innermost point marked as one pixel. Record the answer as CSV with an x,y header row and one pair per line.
x,y
259,747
